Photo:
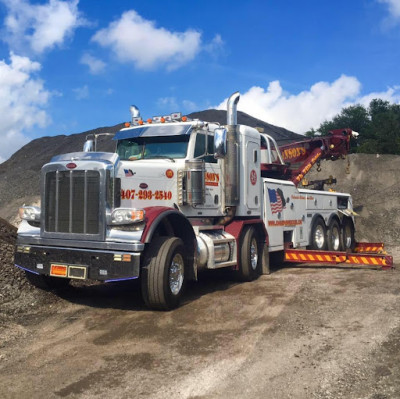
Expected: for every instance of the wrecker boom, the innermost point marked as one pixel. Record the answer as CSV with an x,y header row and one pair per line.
x,y
298,158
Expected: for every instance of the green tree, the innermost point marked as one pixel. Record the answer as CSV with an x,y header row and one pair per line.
x,y
310,133
354,117
383,133
378,125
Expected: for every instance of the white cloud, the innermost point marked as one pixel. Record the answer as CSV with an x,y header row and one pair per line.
x,y
216,46
23,99
394,7
172,104
41,26
95,65
190,106
136,40
300,112
168,104
392,94
81,92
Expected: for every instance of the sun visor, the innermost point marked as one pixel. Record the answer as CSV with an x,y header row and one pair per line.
x,y
153,131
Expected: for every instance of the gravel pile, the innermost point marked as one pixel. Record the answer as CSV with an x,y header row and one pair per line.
x,y
16,293
11,278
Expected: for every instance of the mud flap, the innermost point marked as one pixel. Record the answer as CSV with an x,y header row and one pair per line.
x,y
265,260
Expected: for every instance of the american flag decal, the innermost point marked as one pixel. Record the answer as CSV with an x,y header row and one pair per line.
x,y
129,173
275,201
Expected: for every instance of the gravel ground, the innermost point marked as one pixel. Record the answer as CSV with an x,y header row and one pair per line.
x,y
301,332
297,333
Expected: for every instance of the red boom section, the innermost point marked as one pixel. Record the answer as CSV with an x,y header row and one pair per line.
x,y
302,155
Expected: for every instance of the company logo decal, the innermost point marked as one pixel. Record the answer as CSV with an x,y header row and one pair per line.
x,y
291,153
277,200
212,179
253,177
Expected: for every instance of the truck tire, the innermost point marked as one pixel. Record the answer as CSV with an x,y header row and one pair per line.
x,y
334,236
318,235
47,282
250,255
348,235
163,274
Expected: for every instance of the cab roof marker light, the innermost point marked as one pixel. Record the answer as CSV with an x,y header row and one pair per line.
x,y
136,121
176,115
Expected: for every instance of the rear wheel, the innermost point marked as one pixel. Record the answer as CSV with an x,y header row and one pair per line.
x,y
250,255
163,275
47,282
348,235
318,235
334,241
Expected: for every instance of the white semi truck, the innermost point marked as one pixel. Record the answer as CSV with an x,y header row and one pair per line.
x,y
178,195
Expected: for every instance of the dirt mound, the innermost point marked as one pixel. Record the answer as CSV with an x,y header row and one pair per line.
x,y
11,279
16,294
373,182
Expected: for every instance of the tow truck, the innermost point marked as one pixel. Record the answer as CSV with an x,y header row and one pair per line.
x,y
181,195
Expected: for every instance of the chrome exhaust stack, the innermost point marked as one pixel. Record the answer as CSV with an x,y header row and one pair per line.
x,y
135,113
231,115
232,159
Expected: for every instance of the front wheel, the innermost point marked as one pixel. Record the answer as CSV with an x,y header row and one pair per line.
x,y
250,255
163,274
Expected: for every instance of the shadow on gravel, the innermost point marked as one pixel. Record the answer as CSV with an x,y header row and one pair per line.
x,y
126,295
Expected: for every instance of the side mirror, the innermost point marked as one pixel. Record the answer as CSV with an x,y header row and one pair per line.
x,y
88,146
219,143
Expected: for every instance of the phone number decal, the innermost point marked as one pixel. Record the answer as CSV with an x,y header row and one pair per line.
x,y
146,195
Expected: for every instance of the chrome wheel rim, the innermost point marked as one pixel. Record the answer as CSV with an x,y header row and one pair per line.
x,y
319,237
347,237
335,239
253,254
176,274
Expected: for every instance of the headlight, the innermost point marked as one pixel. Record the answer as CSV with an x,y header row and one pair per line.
x,y
30,213
127,215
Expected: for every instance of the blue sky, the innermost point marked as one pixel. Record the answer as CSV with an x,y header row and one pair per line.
x,y
70,66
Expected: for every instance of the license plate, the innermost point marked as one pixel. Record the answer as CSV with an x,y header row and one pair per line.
x,y
68,271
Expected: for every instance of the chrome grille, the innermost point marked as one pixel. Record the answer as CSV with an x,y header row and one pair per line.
x,y
72,201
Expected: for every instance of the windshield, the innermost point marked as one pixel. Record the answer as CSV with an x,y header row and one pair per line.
x,y
152,147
